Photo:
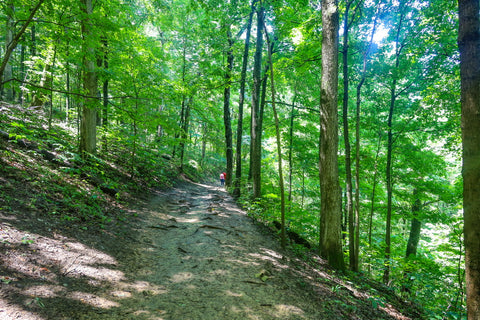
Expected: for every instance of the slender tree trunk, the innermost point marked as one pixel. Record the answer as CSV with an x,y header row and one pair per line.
x,y
352,223
372,198
238,159
357,142
184,132
388,174
283,236
413,239
388,228
22,72
204,142
290,152
50,85
255,153
331,210
88,123
416,226
184,105
105,95
469,45
226,110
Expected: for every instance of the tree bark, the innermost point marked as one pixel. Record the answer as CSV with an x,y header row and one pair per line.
x,y
88,124
330,216
241,99
105,90
388,174
184,129
352,223
413,239
255,151
357,144
226,110
469,45
283,236
290,151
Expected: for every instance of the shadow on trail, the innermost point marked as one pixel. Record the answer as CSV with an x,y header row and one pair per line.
x,y
192,255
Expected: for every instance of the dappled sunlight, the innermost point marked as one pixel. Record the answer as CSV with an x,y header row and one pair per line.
x,y
191,257
93,300
391,311
142,286
188,220
271,256
219,272
72,258
243,262
102,274
233,294
91,255
181,277
284,311
9,311
45,291
56,261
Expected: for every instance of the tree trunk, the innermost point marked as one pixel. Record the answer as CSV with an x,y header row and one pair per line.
x,y
372,198
352,223
184,130
88,124
413,239
22,72
226,110
388,174
330,216
105,94
184,105
283,236
388,228
290,151
469,45
255,151
238,159
357,144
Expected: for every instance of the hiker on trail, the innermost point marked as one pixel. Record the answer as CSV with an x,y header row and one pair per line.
x,y
222,179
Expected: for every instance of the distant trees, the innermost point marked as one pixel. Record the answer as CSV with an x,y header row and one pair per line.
x,y
12,39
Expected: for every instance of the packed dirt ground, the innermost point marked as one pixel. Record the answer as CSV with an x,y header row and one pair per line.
x,y
185,253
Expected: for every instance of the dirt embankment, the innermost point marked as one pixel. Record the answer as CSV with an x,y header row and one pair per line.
x,y
191,254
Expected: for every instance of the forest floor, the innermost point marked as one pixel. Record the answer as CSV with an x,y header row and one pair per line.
x,y
187,253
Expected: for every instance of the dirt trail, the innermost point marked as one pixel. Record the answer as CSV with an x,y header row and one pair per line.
x,y
192,255
209,261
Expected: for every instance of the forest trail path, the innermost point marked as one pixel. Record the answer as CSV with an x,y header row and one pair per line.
x,y
205,259
190,254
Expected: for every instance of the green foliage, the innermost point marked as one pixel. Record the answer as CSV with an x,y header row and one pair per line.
x,y
159,56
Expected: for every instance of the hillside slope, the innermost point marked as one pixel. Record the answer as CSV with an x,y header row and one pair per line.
x,y
87,240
